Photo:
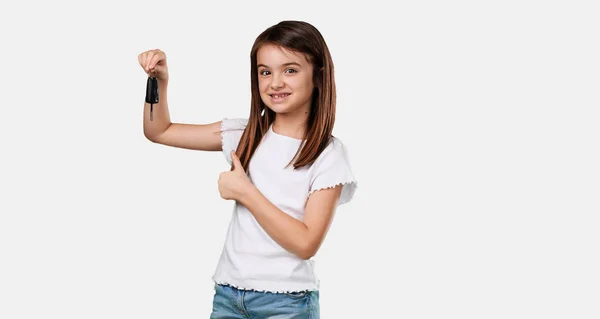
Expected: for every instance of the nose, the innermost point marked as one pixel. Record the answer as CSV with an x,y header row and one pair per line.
x,y
276,82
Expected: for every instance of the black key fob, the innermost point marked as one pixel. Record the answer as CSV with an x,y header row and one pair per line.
x,y
152,90
152,93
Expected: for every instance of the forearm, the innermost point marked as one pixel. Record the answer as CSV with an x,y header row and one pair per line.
x,y
160,113
290,233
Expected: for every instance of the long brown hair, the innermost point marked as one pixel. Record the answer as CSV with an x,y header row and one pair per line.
x,y
301,37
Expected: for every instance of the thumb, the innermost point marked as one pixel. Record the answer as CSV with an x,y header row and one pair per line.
x,y
236,161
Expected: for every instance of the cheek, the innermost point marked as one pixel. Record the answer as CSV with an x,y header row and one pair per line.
x,y
262,86
306,85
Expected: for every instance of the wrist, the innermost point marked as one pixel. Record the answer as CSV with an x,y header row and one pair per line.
x,y
247,193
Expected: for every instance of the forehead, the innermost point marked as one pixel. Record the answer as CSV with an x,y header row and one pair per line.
x,y
273,55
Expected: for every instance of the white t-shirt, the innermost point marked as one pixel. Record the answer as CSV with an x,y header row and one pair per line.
x,y
251,259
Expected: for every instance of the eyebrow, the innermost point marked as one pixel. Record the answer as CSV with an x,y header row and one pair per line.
x,y
285,64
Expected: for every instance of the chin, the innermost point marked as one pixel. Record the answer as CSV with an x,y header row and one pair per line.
x,y
279,109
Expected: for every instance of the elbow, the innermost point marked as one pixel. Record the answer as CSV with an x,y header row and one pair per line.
x,y
152,138
148,137
305,256
155,137
307,252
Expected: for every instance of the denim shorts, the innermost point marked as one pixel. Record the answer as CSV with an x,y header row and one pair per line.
x,y
230,302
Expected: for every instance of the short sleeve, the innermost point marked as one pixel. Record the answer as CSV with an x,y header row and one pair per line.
x,y
332,168
231,133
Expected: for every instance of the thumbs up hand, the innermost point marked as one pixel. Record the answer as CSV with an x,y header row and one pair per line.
x,y
235,183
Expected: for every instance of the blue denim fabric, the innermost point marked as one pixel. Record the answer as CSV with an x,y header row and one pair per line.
x,y
232,303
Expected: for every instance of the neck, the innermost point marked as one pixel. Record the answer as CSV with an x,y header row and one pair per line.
x,y
291,124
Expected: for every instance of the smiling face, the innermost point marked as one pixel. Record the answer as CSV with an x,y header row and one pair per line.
x,y
285,79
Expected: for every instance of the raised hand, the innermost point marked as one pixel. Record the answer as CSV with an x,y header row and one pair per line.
x,y
154,63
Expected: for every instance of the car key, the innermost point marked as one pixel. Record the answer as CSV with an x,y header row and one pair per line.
x,y
152,92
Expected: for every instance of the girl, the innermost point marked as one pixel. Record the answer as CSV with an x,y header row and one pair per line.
x,y
287,177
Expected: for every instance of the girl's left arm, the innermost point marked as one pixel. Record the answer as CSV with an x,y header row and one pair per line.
x,y
302,238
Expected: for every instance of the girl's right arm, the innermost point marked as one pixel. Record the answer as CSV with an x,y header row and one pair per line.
x,y
202,137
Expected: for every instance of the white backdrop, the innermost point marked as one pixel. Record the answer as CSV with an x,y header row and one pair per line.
x,y
472,129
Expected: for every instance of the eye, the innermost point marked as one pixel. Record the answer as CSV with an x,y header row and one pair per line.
x,y
291,70
262,72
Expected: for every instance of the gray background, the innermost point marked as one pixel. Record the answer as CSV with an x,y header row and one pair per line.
x,y
472,128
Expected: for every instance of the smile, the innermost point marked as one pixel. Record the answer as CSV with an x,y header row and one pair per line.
x,y
279,97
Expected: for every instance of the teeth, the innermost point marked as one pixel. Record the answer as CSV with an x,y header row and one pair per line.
x,y
280,96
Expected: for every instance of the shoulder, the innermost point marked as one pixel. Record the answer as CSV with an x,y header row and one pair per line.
x,y
231,133
233,123
335,154
332,168
335,150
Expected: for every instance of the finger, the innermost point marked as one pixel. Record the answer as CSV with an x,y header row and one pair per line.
x,y
145,61
158,56
153,55
142,60
236,161
149,58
